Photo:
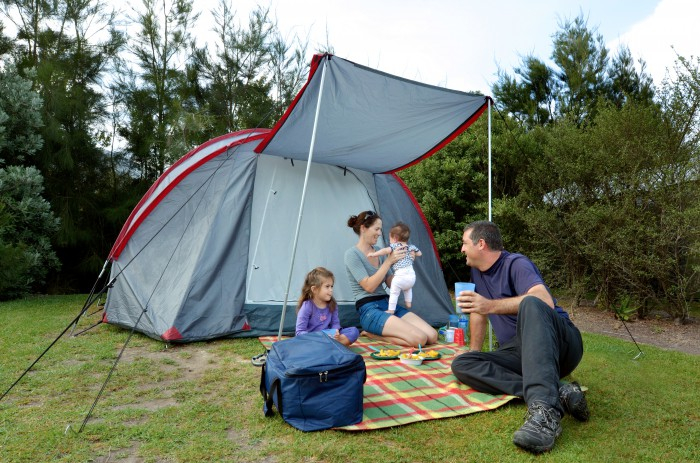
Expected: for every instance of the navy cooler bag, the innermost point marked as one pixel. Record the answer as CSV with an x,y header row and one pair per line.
x,y
314,381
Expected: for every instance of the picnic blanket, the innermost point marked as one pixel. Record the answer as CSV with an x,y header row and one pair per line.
x,y
396,394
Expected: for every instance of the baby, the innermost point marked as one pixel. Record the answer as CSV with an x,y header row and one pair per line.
x,y
404,275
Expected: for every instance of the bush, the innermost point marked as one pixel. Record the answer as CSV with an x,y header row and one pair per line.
x,y
615,202
26,226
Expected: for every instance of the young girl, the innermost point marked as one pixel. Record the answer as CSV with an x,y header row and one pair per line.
x,y
317,310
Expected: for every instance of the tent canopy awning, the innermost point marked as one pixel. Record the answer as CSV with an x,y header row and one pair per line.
x,y
370,120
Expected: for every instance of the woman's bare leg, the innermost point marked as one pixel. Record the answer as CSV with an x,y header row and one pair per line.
x,y
406,332
415,320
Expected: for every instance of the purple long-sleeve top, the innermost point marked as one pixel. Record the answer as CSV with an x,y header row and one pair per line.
x,y
311,318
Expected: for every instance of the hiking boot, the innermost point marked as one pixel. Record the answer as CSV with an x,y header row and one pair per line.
x,y
541,428
574,401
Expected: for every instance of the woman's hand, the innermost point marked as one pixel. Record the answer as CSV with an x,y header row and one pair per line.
x,y
371,283
397,254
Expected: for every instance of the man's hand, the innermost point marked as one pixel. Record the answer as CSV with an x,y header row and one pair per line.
x,y
471,302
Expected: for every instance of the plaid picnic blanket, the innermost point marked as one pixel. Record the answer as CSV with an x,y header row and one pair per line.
x,y
396,394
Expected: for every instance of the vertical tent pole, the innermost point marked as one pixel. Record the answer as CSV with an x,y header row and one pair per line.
x,y
303,196
489,114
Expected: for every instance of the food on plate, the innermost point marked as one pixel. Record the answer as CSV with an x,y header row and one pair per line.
x,y
388,353
429,354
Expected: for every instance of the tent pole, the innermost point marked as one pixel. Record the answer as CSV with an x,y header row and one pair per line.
x,y
303,196
489,114
489,118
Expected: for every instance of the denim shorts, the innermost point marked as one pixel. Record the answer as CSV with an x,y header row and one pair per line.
x,y
373,315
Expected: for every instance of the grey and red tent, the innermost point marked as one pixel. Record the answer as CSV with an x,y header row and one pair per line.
x,y
220,244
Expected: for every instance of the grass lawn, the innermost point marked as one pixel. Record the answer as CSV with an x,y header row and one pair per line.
x,y
200,402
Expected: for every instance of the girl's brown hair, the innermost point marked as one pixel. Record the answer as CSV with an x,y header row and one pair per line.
x,y
315,278
366,218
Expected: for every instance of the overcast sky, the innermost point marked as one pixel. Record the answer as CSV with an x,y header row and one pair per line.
x,y
460,44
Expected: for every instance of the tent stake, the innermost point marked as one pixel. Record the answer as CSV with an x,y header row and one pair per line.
x,y
109,375
92,291
640,353
86,329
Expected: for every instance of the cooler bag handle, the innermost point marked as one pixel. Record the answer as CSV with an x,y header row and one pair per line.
x,y
268,395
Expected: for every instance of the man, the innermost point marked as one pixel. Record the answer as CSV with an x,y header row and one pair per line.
x,y
538,344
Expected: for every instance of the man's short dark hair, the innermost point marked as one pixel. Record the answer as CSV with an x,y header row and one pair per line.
x,y
487,231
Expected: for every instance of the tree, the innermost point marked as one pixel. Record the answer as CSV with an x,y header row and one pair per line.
x,y
680,249
626,83
20,119
26,226
65,48
582,58
611,206
288,70
583,75
452,186
252,73
161,48
531,98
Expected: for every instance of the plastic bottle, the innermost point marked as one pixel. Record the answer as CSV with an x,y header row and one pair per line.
x,y
453,322
463,324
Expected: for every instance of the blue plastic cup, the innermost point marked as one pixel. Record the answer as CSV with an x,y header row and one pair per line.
x,y
459,287
330,332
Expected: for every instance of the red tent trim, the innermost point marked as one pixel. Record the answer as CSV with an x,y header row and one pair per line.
x,y
315,62
132,223
449,138
420,213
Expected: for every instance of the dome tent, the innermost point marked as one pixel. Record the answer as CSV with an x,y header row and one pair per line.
x,y
206,253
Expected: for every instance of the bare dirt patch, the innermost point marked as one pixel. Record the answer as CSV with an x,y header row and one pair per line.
x,y
187,362
657,330
171,365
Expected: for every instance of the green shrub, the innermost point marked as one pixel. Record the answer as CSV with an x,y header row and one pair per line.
x,y
26,225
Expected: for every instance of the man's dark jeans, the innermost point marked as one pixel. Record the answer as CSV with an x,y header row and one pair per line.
x,y
546,348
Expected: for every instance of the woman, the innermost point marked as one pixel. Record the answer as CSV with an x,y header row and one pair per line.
x,y
366,276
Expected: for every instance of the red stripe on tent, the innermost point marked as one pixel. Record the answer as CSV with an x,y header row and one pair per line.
x,y
126,229
315,62
171,335
449,138
420,213
132,224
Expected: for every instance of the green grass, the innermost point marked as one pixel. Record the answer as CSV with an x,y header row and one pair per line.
x,y
200,402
